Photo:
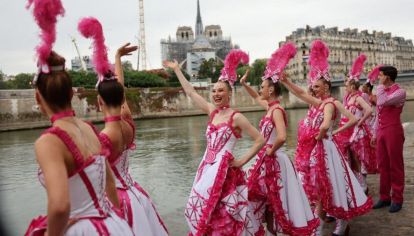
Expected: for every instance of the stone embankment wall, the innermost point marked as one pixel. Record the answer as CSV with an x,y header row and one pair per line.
x,y
17,107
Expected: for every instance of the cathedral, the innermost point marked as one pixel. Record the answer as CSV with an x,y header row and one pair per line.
x,y
190,50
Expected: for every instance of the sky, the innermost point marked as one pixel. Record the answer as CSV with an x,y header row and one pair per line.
x,y
257,26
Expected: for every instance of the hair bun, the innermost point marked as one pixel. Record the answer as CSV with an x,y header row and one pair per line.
x,y
55,59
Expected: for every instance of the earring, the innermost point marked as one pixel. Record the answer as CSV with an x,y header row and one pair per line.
x,y
35,108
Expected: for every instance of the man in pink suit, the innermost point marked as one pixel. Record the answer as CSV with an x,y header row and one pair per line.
x,y
389,139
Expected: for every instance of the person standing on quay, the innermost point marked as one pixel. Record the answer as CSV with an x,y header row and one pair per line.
x,y
355,142
332,186
275,191
389,139
218,203
72,160
119,134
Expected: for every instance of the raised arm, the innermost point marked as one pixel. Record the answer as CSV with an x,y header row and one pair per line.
x,y
50,157
366,108
279,120
352,120
300,93
241,122
188,88
252,92
125,50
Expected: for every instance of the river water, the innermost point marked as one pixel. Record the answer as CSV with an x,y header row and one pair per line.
x,y
165,162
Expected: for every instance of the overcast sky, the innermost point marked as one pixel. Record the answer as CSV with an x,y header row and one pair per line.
x,y
257,26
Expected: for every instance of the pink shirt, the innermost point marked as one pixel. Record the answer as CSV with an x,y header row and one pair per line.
x,y
391,96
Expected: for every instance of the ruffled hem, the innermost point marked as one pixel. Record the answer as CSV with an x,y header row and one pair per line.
x,y
223,224
306,143
203,226
37,226
325,191
365,152
255,193
272,178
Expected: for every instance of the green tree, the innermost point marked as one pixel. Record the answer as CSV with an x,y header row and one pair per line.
x,y
83,79
258,68
3,84
143,79
127,66
207,68
21,81
173,79
210,69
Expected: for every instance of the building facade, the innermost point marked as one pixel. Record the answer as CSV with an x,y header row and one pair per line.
x,y
76,63
191,48
345,46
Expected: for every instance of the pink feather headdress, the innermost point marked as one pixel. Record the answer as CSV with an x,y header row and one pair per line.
x,y
90,27
278,61
318,61
373,75
233,59
45,13
357,67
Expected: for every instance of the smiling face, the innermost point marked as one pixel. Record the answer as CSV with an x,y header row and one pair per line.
x,y
320,88
221,94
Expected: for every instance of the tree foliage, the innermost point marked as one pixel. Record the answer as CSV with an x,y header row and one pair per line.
x,y
210,69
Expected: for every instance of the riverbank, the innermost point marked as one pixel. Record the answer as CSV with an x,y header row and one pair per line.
x,y
380,222
17,106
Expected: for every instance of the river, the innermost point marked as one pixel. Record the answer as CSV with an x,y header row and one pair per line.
x,y
165,161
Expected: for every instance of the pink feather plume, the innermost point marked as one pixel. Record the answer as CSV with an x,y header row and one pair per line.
x,y
45,13
318,61
90,27
278,61
357,67
233,59
373,75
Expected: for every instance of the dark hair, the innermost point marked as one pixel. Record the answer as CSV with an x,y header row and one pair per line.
x,y
112,92
326,82
276,86
226,83
370,86
55,86
354,83
389,71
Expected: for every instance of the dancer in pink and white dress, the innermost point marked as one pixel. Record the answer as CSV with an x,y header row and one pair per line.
x,y
331,185
303,149
119,134
355,142
275,191
73,167
372,98
218,203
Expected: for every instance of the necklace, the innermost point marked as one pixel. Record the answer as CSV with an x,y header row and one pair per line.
x,y
61,115
112,118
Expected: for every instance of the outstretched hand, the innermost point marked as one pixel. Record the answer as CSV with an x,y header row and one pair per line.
x,y
171,64
244,78
126,50
283,77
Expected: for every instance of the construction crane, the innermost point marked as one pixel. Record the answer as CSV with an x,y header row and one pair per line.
x,y
142,54
83,65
